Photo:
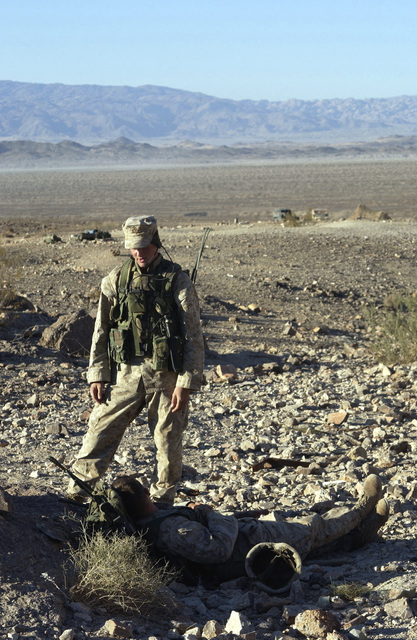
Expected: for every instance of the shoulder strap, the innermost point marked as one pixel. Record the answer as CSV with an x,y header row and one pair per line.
x,y
124,278
168,267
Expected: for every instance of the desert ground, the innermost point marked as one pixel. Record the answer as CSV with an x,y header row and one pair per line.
x,y
285,307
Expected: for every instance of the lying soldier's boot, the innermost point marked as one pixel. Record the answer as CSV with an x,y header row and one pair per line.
x,y
368,528
365,531
371,493
339,521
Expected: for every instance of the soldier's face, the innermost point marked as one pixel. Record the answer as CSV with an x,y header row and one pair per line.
x,y
145,255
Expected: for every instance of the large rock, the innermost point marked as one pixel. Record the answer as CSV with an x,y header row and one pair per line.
x,y
71,333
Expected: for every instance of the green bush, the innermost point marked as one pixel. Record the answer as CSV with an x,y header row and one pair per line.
x,y
393,329
116,572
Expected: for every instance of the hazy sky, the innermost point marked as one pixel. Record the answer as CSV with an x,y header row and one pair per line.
x,y
256,49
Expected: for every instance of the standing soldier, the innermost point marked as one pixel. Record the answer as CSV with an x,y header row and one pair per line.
x,y
147,349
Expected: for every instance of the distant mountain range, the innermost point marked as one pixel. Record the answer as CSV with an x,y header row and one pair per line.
x,y
93,114
27,154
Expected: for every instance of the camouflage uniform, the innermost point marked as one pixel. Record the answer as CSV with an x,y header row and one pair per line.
x,y
213,537
213,545
136,384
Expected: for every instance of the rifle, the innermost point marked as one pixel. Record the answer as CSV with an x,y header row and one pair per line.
x,y
200,253
112,516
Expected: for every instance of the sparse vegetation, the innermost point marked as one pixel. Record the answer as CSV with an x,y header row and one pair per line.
x,y
9,269
349,591
291,220
394,329
308,216
116,572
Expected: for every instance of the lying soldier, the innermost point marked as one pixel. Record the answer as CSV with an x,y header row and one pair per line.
x,y
214,547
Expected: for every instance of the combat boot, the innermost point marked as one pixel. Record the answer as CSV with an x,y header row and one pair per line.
x,y
371,494
365,532
339,521
368,529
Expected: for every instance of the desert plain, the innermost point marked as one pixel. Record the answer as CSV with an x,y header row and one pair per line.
x,y
282,305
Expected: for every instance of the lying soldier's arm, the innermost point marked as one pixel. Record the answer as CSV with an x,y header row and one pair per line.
x,y
193,541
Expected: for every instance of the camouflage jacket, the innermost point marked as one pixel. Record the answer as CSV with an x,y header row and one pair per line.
x,y
220,536
185,296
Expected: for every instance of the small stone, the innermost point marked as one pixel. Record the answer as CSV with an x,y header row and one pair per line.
x,y
316,623
238,624
213,453
357,452
399,608
211,629
226,371
357,633
33,401
117,630
193,633
53,428
338,417
290,329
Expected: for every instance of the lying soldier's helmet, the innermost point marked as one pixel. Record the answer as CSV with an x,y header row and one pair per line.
x,y
274,564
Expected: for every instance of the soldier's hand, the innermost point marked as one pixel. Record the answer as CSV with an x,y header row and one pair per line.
x,y
179,399
251,513
97,392
204,508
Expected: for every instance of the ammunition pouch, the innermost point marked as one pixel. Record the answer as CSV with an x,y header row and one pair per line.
x,y
121,343
167,353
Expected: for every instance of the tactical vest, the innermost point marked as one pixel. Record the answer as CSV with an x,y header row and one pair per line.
x,y
107,514
144,320
211,574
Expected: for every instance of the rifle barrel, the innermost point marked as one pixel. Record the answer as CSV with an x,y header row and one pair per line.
x,y
200,253
72,475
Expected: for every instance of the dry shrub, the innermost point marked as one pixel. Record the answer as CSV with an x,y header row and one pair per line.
x,y
349,591
291,220
393,329
115,571
9,270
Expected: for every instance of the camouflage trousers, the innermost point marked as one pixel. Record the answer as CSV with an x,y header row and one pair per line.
x,y
305,534
109,420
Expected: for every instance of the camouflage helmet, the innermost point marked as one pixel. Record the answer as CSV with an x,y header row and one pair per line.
x,y
141,231
274,564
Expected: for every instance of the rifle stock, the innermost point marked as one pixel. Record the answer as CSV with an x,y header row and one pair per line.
x,y
110,513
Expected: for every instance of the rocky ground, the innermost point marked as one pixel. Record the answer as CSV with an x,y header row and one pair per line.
x,y
283,309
